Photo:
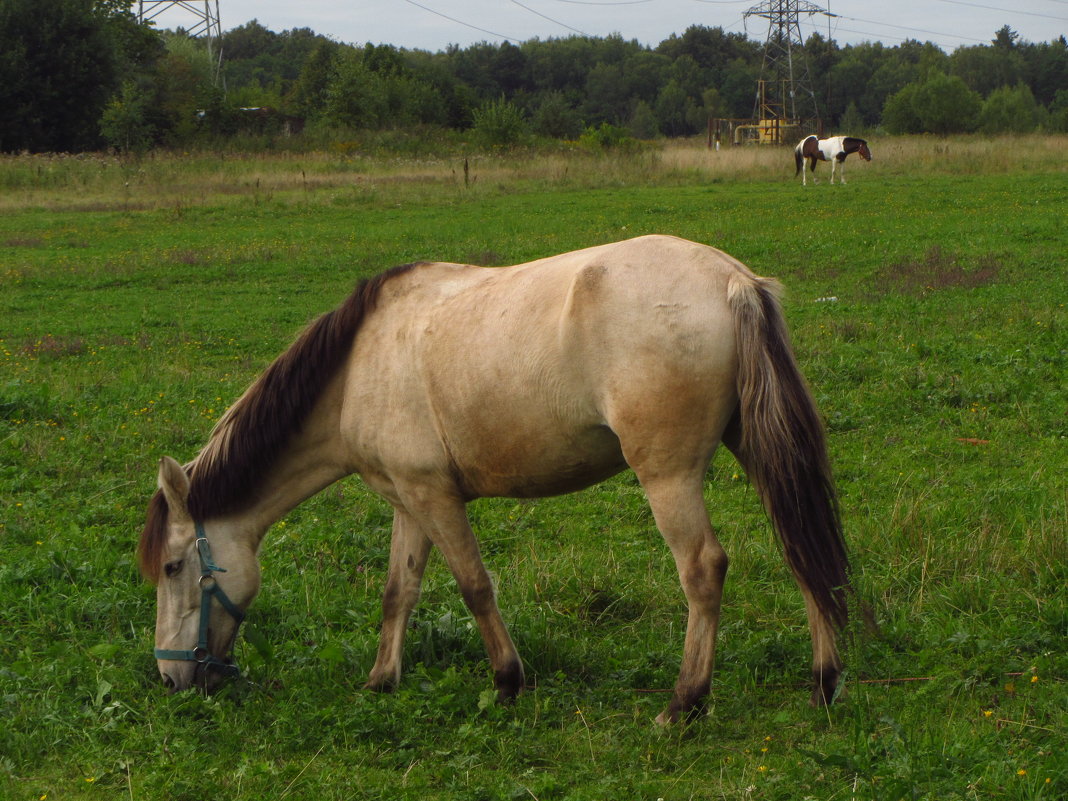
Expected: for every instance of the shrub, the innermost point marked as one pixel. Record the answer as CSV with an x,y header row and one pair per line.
x,y
1010,109
499,123
942,104
605,137
124,123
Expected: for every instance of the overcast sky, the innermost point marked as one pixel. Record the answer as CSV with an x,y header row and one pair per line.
x,y
435,24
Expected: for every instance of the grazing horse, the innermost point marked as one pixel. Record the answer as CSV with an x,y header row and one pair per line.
x,y
440,383
834,150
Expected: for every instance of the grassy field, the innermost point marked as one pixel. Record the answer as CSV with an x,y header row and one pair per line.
x,y
927,303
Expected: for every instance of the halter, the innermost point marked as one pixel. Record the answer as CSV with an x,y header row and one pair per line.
x,y
209,588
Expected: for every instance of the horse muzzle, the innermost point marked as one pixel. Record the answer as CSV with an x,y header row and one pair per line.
x,y
206,676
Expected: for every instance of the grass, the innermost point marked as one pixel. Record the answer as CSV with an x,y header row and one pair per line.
x,y
927,303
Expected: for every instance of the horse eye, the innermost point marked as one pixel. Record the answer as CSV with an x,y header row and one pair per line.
x,y
172,569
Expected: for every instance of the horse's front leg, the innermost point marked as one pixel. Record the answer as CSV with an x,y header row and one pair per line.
x,y
408,552
444,519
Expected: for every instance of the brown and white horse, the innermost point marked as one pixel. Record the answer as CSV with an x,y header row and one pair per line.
x,y
813,150
440,383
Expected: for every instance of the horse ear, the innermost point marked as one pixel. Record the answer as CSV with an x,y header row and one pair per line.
x,y
174,483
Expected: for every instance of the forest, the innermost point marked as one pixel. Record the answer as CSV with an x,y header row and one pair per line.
x,y
81,75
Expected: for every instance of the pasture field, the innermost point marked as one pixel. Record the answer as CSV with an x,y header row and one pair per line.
x,y
926,299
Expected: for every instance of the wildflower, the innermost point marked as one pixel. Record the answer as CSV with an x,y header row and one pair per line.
x,y
1021,772
987,713
763,768
1034,679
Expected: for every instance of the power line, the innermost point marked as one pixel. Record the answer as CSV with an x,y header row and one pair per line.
x,y
554,21
461,22
623,2
1005,10
902,28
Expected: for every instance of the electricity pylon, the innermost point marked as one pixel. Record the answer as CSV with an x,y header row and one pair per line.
x,y
784,93
205,23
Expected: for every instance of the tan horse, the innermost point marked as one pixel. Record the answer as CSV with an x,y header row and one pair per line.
x,y
440,383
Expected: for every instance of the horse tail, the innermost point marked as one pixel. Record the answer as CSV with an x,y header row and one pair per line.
x,y
783,447
798,158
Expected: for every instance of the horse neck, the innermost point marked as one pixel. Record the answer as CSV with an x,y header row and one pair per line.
x,y
311,461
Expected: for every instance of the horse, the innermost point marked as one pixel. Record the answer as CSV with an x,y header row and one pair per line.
x,y
834,150
439,383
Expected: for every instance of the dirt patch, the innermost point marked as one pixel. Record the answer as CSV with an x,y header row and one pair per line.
x,y
938,270
24,242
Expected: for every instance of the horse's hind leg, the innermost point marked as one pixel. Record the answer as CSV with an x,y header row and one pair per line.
x,y
408,552
444,519
678,506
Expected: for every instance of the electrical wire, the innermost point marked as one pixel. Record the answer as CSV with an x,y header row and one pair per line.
x,y
903,28
1005,10
461,22
554,21
622,2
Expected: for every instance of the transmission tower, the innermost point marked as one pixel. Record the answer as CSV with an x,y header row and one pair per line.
x,y
785,101
205,23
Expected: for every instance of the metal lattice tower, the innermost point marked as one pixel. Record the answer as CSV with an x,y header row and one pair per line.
x,y
205,22
785,93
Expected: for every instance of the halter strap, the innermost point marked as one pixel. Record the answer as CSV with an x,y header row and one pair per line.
x,y
209,588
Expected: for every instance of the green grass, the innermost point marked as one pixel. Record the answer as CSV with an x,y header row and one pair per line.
x,y
130,318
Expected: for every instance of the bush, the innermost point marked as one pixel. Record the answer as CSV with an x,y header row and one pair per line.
x,y
1011,110
124,123
942,104
499,123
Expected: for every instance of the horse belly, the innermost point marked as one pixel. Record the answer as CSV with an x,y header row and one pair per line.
x,y
521,462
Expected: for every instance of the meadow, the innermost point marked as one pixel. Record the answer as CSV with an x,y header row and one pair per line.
x,y
926,300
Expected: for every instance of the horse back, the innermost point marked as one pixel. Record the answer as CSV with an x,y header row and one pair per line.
x,y
517,380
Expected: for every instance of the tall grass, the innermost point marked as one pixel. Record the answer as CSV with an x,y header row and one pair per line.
x,y
164,179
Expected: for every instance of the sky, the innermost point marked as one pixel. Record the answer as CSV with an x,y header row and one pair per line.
x,y
435,24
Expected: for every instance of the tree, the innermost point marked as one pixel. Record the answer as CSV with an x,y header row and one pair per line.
x,y
672,105
1058,112
643,123
942,104
58,67
1010,109
125,124
946,105
899,113
356,96
309,95
556,117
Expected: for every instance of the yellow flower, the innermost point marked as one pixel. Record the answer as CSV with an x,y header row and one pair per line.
x,y
1021,772
987,713
763,768
1034,679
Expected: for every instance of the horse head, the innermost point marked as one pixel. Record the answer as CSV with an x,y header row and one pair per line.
x,y
202,588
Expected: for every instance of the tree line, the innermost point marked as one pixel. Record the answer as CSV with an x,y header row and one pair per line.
x,y
84,74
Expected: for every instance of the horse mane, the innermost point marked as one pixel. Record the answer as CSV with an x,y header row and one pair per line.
x,y
854,142
251,435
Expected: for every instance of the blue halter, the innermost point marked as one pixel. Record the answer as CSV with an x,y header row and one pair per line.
x,y
209,588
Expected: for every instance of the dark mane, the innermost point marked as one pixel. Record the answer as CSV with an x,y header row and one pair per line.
x,y
250,436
